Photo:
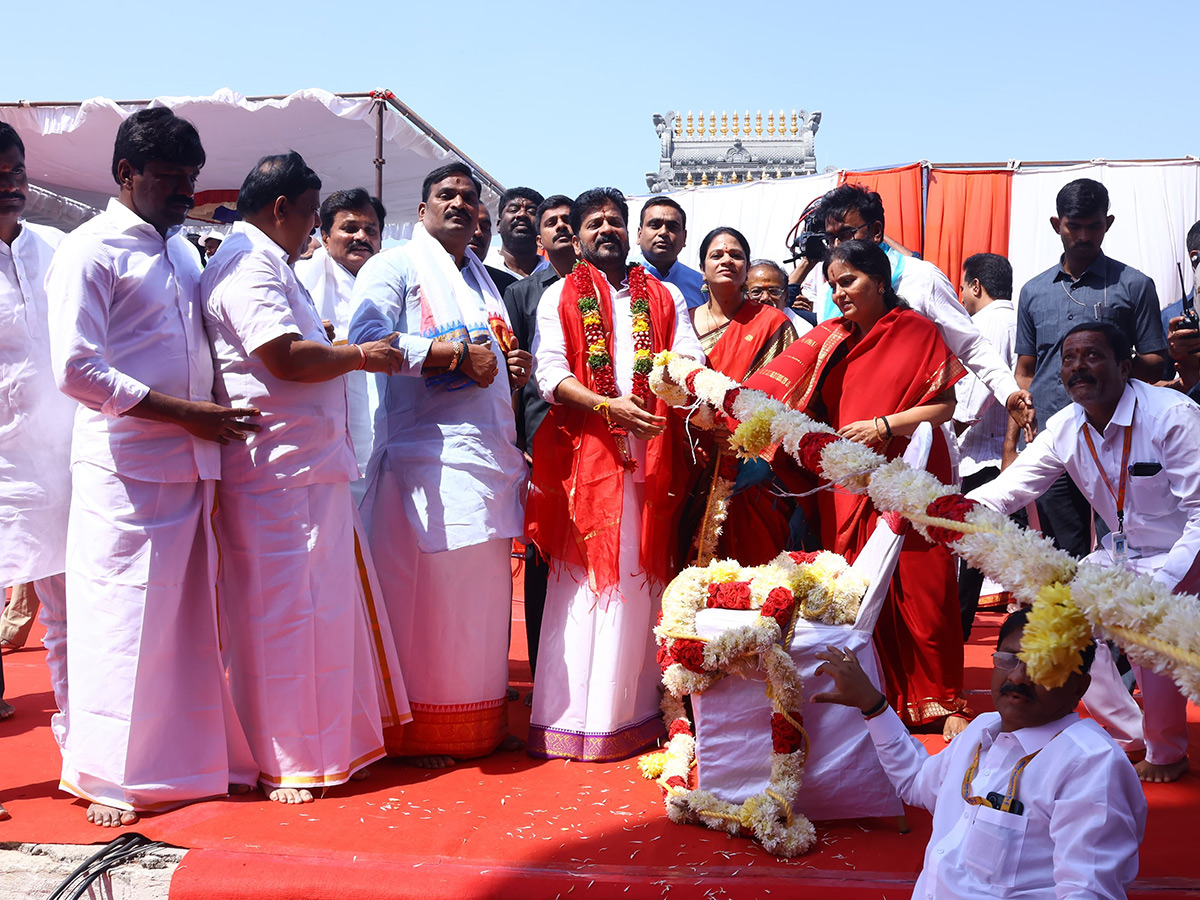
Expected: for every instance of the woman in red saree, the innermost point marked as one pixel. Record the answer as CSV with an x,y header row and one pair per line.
x,y
739,337
875,374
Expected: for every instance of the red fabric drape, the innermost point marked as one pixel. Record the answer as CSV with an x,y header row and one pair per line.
x,y
900,189
967,212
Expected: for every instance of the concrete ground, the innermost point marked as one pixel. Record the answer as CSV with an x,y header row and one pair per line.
x,y
36,870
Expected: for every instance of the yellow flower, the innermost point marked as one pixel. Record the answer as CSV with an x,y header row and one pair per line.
x,y
652,764
724,570
591,319
640,325
1054,638
597,347
753,436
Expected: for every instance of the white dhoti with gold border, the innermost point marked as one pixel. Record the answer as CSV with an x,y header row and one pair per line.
x,y
152,723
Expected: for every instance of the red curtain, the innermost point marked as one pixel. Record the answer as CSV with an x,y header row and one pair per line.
x,y
900,189
967,212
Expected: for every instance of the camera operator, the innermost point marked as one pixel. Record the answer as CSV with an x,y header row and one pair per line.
x,y
1183,325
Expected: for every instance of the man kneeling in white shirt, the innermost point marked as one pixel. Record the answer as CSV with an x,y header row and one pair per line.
x,y
1029,801
1131,450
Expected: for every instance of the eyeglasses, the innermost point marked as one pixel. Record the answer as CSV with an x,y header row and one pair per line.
x,y
846,234
758,293
1005,661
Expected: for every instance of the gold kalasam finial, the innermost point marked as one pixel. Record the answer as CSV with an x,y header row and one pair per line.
x,y
678,125
758,123
782,125
690,182
778,173
795,123
725,123
765,175
770,121
749,176
720,177
746,123
704,179
690,130
701,124
712,123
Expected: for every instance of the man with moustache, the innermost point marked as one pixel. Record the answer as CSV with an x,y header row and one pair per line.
x,y
1130,449
351,233
444,496
35,435
1028,801
661,237
518,232
555,241
151,720
609,478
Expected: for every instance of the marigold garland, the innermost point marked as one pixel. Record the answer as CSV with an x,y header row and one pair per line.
x,y
1155,627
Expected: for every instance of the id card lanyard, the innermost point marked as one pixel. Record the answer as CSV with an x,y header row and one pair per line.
x,y
1119,551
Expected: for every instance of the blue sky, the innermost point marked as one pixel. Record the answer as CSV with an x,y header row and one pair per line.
x,y
560,96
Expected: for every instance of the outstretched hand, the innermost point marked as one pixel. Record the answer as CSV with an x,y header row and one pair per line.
x,y
851,685
1020,407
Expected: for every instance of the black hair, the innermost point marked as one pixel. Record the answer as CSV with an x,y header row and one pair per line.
x,y
1193,236
1017,622
1081,198
846,198
755,263
719,230
1118,341
443,172
663,201
869,258
353,199
554,201
993,271
156,133
593,199
9,139
280,175
524,193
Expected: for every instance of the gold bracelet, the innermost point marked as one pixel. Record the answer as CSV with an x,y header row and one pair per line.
x,y
602,408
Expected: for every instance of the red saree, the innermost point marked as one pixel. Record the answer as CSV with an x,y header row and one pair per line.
x,y
900,363
757,524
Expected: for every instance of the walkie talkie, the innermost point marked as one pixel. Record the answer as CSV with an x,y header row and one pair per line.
x,y
1189,302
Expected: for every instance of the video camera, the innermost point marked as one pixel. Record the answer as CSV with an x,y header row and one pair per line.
x,y
806,240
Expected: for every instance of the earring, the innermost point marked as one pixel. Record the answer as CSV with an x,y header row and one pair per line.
x,y
704,288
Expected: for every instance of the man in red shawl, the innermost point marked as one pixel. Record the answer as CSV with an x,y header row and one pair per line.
x,y
609,479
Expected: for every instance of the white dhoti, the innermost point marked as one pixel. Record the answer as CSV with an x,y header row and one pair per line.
x,y
152,724
52,593
1161,724
596,695
449,615
311,692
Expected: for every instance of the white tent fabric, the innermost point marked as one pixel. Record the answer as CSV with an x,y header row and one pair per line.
x,y
69,146
1154,205
764,211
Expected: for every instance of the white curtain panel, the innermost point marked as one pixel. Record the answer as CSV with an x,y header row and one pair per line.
x,y
764,211
1154,205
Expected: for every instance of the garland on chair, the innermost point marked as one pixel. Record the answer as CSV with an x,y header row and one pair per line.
x,y
1156,628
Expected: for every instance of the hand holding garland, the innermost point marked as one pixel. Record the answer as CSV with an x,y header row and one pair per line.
x,y
627,411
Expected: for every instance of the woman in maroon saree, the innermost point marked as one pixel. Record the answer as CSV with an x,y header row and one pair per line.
x,y
739,336
875,374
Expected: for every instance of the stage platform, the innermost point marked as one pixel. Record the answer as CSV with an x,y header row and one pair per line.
x,y
512,827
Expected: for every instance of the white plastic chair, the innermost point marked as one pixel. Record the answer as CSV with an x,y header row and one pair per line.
x,y
842,778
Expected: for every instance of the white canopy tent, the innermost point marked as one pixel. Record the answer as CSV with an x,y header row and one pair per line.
x,y
341,136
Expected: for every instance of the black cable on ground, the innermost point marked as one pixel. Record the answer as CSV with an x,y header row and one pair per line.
x,y
122,849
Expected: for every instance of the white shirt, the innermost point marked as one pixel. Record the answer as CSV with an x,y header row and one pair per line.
x,y
551,365
1162,511
1078,836
124,319
982,443
35,417
453,452
251,297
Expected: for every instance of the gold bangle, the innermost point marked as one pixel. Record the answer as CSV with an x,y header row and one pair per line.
x,y
602,408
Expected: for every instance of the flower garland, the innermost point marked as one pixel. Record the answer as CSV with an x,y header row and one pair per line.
x,y
643,335
818,586
1156,628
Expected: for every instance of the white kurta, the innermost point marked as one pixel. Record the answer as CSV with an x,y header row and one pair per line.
x,y
444,500
151,720
596,692
302,665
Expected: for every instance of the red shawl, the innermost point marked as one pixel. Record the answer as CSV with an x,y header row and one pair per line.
x,y
574,509
753,337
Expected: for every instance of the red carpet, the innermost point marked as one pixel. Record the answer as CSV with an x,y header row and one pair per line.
x,y
510,826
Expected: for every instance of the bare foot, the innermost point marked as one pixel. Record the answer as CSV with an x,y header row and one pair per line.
x,y
1157,774
513,693
236,790
110,816
287,795
361,775
511,742
6,709
529,699
436,761
4,813
954,726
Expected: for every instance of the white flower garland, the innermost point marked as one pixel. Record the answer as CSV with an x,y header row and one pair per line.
x,y
1156,627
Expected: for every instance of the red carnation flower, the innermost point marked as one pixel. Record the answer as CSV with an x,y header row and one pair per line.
x,y
663,656
729,595
801,558
810,447
785,737
680,726
689,654
953,506
677,781
730,399
780,605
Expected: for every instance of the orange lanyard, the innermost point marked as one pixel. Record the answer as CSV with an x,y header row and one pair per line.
x,y
1119,494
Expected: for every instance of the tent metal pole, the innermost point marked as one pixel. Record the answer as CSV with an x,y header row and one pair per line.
x,y
379,160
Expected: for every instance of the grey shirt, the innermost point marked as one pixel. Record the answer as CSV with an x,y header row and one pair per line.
x,y
1051,304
